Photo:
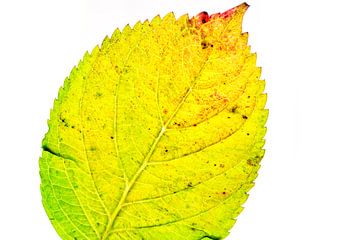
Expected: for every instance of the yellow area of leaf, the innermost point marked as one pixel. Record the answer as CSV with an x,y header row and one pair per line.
x,y
157,134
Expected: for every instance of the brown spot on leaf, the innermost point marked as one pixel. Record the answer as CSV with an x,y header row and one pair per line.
x,y
200,19
251,162
204,45
233,109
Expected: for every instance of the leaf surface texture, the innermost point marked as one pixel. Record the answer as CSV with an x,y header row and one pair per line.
x,y
157,134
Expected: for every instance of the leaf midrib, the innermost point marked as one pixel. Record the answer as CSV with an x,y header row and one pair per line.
x,y
148,156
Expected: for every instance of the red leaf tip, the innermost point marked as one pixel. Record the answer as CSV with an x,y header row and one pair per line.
x,y
227,14
203,17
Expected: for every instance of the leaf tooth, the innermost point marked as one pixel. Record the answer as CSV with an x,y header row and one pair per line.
x,y
85,57
127,29
253,54
95,50
156,20
138,25
265,117
116,34
183,18
105,42
146,22
245,38
169,18
67,81
260,144
262,84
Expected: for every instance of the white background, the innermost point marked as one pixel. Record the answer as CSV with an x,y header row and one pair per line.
x,y
308,186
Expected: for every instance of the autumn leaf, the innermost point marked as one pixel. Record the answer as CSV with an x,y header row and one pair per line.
x,y
157,134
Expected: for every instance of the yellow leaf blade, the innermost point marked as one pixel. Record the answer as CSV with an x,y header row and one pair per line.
x,y
157,134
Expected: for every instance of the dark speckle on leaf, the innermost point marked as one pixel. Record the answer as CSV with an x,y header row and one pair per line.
x,y
233,109
251,162
204,45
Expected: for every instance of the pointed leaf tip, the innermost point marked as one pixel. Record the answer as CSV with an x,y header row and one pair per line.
x,y
240,9
203,17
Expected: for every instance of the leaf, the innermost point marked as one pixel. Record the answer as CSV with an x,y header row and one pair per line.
x,y
157,134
